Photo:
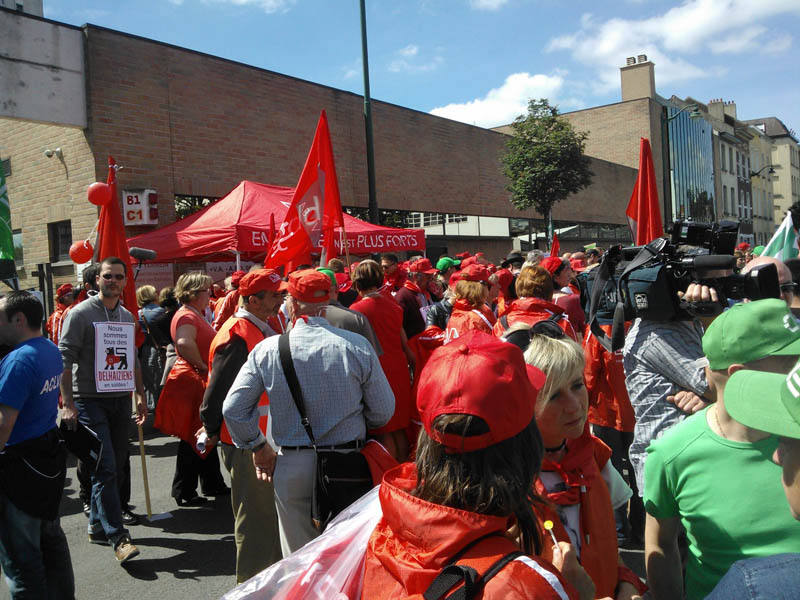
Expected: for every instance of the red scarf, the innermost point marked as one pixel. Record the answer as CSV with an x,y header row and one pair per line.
x,y
408,284
578,468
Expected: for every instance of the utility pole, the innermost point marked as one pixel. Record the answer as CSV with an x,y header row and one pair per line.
x,y
373,200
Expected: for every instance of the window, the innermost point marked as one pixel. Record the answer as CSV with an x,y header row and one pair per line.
x,y
722,155
738,165
730,159
453,218
725,200
60,237
18,255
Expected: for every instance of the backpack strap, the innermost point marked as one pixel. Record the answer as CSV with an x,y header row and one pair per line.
x,y
467,580
504,322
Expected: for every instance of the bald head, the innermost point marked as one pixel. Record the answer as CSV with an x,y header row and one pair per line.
x,y
784,275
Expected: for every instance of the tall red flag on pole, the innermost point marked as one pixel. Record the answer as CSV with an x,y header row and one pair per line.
x,y
555,247
315,210
111,237
644,215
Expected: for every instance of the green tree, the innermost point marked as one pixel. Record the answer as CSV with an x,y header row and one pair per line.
x,y
545,162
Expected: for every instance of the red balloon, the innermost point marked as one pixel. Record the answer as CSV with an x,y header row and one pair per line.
x,y
99,193
81,252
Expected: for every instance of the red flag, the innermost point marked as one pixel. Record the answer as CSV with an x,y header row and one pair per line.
x,y
644,215
555,247
315,210
111,238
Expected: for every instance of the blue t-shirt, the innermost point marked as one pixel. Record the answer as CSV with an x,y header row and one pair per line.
x,y
30,376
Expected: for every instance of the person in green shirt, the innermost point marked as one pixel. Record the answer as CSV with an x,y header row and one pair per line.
x,y
711,473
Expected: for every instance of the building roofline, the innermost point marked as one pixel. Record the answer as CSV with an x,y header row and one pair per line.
x,y
11,11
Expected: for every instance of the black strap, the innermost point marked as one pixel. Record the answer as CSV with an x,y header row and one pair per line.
x,y
290,374
471,582
504,322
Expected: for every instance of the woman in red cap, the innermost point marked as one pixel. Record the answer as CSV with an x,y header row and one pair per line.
x,y
386,318
470,309
467,502
582,486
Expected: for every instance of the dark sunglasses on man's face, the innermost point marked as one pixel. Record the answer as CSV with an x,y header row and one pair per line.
x,y
116,276
788,287
522,338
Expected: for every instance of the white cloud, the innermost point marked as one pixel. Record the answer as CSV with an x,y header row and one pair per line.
x,y
407,61
504,104
694,27
490,5
409,51
351,70
268,6
779,44
738,41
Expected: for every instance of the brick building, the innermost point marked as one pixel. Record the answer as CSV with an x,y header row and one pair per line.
x,y
190,124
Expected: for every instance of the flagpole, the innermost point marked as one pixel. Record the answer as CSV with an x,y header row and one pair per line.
x,y
373,200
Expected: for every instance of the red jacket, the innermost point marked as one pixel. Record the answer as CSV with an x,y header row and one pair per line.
x,y
465,318
609,405
533,310
225,308
415,540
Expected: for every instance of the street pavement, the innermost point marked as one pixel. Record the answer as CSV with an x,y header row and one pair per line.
x,y
186,553
189,553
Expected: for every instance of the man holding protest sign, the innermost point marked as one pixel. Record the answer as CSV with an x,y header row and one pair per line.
x,y
100,371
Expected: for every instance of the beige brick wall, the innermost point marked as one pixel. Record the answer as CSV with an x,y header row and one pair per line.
x,y
44,190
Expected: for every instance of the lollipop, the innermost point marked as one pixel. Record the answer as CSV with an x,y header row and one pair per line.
x,y
549,526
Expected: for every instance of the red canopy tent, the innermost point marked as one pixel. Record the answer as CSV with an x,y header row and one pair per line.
x,y
240,222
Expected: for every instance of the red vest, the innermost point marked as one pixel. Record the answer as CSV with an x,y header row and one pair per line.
x,y
599,551
245,329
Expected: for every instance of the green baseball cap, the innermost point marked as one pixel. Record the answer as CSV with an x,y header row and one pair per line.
x,y
751,331
765,401
329,273
446,262
758,250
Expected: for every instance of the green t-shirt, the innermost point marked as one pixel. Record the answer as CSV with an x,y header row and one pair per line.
x,y
727,494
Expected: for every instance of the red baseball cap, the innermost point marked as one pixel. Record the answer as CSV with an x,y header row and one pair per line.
x,y
472,273
423,265
463,255
64,290
743,246
309,285
237,277
552,264
261,280
343,281
504,278
577,264
472,260
478,374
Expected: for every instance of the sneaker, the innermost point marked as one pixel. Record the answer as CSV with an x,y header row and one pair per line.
x,y
87,508
128,518
125,550
99,537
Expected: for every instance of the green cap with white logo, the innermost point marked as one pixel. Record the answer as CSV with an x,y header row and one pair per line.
x,y
765,401
750,331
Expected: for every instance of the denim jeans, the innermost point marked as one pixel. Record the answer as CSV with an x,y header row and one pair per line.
x,y
767,578
110,419
34,555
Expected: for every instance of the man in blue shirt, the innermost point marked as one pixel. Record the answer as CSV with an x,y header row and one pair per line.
x,y
34,554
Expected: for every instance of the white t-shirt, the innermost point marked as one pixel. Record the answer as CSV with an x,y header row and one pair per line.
x,y
571,515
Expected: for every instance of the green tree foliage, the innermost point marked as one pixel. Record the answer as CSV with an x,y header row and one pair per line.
x,y
545,162
187,205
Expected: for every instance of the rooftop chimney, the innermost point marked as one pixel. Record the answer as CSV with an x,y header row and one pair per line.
x,y
638,79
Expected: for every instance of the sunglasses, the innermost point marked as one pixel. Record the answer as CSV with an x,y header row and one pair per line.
x,y
117,276
788,287
522,338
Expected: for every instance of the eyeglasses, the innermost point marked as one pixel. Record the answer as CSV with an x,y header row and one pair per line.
x,y
522,338
788,287
116,276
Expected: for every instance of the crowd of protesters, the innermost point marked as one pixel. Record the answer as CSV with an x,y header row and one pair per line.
x,y
508,442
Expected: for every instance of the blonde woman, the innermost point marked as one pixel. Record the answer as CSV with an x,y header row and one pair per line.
x,y
470,309
184,390
152,367
577,478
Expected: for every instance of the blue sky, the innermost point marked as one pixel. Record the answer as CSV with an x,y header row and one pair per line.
x,y
478,61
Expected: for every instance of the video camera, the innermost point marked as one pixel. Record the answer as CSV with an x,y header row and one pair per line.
x,y
645,281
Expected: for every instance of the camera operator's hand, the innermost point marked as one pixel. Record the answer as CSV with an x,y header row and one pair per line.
x,y
688,402
701,301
